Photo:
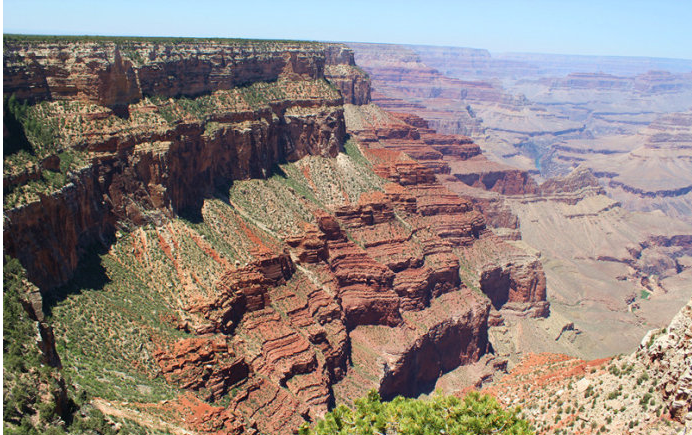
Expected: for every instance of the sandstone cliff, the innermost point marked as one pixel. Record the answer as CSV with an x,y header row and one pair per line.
x,y
255,269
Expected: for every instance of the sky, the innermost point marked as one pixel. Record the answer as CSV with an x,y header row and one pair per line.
x,y
654,28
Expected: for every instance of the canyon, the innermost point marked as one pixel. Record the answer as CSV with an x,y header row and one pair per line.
x,y
604,224
256,240
549,115
233,236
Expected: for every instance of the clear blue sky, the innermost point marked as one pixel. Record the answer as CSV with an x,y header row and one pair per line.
x,y
661,28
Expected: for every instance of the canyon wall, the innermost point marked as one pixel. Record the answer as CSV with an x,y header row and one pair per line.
x,y
135,172
117,74
199,207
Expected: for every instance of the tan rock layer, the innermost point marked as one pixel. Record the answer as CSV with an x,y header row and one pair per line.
x,y
117,74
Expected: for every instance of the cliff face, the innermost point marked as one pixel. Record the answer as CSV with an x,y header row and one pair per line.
x,y
668,353
258,270
391,138
111,74
140,169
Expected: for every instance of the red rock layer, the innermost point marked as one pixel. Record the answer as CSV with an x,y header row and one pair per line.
x,y
290,338
364,285
372,224
515,280
204,363
494,177
342,72
517,285
413,136
446,345
140,173
241,290
406,361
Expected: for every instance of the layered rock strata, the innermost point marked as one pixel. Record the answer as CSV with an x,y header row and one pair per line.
x,y
452,217
135,171
279,293
115,74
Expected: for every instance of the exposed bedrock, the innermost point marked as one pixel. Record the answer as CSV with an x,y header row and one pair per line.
x,y
668,353
453,342
114,75
407,361
137,174
342,72
504,180
417,190
204,363
517,286
364,285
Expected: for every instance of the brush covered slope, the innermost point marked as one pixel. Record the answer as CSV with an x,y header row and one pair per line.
x,y
214,255
646,392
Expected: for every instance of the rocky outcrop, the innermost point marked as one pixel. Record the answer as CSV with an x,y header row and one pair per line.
x,y
364,285
407,361
241,290
517,287
520,282
668,353
50,235
579,180
417,278
446,345
204,363
342,72
494,177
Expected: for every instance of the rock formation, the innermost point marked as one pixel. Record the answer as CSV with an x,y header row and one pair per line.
x,y
149,165
668,353
196,198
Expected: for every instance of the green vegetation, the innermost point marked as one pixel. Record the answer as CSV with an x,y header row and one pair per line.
x,y
105,318
35,398
475,414
351,149
37,130
645,399
35,159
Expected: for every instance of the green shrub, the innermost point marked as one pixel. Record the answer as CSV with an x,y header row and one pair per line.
x,y
475,414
